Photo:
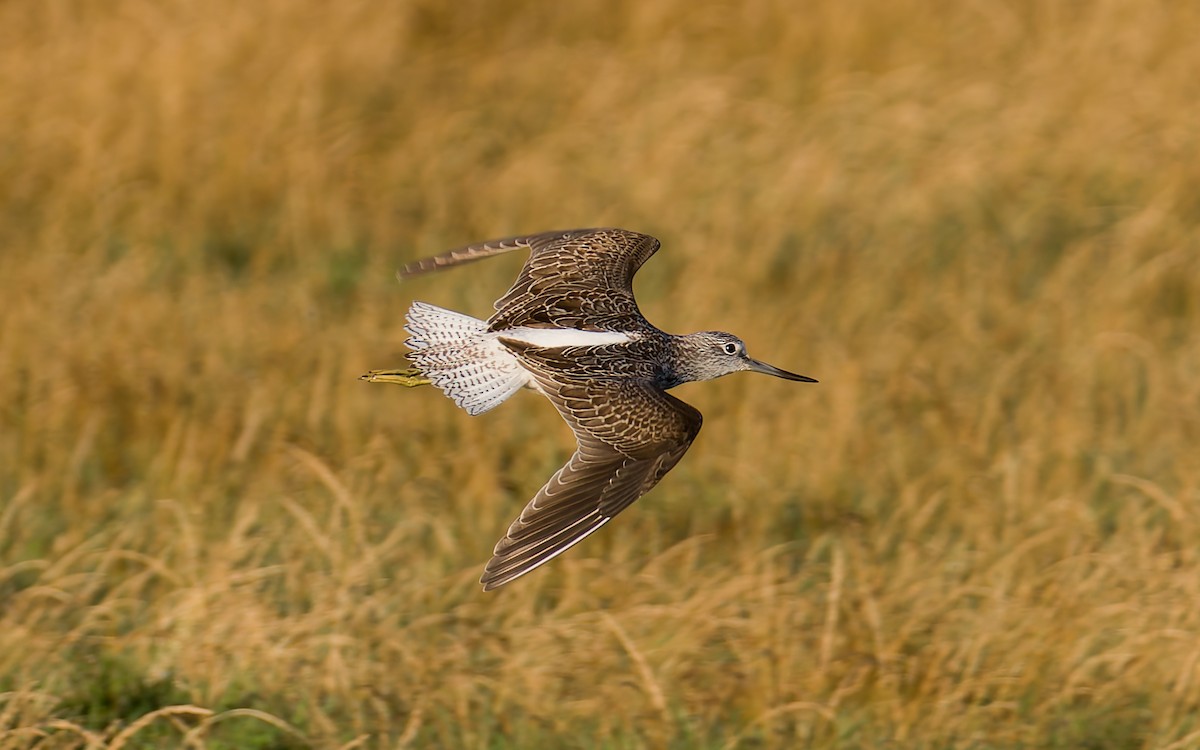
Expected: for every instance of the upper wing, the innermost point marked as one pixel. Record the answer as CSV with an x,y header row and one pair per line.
x,y
581,278
630,435
472,253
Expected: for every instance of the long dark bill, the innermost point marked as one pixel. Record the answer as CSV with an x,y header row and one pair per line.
x,y
763,367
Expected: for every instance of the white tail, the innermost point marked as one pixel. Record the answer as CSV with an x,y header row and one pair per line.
x,y
460,357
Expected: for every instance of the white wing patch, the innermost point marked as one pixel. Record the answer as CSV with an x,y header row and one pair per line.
x,y
556,338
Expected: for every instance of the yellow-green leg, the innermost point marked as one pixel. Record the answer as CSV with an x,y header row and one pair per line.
x,y
410,377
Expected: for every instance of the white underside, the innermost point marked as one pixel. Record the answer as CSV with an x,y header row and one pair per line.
x,y
470,365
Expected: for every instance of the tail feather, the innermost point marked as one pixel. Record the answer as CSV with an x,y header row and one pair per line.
x,y
429,325
460,357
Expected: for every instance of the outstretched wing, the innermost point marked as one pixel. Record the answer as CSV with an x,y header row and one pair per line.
x,y
630,435
581,278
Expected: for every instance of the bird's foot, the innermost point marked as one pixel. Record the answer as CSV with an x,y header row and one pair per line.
x,y
409,377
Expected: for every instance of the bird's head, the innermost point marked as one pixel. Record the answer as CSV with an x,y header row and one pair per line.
x,y
711,354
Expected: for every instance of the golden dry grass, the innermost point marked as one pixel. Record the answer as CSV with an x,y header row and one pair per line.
x,y
976,223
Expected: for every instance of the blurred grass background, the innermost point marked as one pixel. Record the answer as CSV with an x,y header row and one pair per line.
x,y
975,223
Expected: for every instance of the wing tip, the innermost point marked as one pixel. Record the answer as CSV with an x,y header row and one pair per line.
x,y
492,580
500,570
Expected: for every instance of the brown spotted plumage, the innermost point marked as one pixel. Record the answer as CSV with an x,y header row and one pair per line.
x,y
570,329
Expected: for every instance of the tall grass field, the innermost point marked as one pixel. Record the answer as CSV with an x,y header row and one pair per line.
x,y
976,223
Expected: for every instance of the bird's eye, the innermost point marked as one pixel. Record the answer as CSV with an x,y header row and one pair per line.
x,y
731,348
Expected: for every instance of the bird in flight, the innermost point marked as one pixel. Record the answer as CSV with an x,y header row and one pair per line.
x,y
569,328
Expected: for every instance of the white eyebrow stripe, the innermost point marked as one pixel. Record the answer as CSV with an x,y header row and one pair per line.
x,y
556,338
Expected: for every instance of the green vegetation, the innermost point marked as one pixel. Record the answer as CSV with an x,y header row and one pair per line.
x,y
978,224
